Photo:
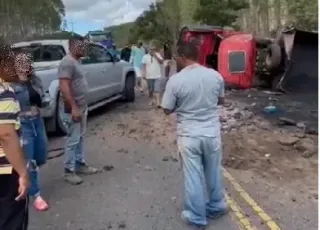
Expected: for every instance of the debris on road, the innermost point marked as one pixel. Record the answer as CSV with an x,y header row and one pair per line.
x,y
107,167
288,140
286,121
250,140
270,109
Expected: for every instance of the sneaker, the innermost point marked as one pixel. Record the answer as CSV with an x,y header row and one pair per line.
x,y
84,169
40,204
218,214
72,178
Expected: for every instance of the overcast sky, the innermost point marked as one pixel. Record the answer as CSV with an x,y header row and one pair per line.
x,y
95,14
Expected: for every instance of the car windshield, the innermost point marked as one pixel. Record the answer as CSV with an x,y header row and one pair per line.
x,y
98,37
42,53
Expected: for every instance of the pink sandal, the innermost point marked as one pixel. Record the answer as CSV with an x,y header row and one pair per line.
x,y
40,204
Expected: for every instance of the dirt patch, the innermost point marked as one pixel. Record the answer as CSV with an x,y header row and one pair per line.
x,y
250,142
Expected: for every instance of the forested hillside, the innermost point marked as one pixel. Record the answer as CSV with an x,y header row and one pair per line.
x,y
121,33
163,19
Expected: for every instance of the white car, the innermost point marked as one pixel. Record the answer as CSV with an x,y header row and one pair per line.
x,y
108,79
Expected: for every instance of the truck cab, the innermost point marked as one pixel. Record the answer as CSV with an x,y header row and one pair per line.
x,y
231,53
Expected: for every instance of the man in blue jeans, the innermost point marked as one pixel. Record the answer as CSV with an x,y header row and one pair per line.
x,y
193,94
74,88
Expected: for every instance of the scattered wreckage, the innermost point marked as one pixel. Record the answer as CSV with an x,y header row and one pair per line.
x,y
288,63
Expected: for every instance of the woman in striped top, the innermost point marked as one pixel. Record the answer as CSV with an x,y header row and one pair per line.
x,y
14,180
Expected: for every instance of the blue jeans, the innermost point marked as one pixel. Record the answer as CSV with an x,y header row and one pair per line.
x,y
201,162
34,143
74,144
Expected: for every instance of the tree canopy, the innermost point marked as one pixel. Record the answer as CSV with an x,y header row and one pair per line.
x,y
21,18
304,14
219,12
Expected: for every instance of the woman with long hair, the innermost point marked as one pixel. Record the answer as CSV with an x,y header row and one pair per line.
x,y
29,93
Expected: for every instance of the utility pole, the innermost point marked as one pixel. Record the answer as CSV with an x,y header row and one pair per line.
x,y
72,26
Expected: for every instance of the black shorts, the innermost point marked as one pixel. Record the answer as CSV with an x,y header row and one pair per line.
x,y
13,214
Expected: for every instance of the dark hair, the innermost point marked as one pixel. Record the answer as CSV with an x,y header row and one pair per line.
x,y
7,60
189,50
140,44
75,38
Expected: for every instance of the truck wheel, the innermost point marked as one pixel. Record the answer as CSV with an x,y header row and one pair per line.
x,y
61,128
128,92
273,58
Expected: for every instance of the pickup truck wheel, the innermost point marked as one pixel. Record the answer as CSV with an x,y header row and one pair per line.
x,y
128,92
60,125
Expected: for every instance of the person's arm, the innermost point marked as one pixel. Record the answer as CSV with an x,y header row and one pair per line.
x,y
167,69
144,66
10,143
9,138
169,99
221,92
158,58
131,56
65,73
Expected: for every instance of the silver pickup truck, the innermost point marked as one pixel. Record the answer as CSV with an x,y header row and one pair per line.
x,y
108,79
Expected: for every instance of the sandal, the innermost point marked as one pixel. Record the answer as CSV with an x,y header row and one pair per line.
x,y
40,204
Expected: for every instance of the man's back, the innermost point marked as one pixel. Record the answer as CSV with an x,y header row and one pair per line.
x,y
137,55
197,90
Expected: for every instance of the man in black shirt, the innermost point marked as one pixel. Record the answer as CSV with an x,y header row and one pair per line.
x,y
126,53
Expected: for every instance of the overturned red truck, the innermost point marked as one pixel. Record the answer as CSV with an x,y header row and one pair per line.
x,y
288,62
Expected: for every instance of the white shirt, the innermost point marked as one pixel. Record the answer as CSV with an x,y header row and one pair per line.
x,y
153,67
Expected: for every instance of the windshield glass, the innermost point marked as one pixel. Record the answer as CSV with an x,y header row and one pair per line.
x,y
98,37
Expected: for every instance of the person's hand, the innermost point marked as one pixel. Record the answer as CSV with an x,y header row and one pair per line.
x,y
76,114
23,187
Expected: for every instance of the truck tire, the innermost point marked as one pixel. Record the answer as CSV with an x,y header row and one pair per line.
x,y
128,91
61,128
273,58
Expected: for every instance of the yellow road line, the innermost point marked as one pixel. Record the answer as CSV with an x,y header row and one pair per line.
x,y
255,207
243,220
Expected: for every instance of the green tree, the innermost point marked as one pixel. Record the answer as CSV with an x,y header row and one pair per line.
x,y
219,12
21,18
152,25
304,14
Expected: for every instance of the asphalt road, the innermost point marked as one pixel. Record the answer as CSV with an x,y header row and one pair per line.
x,y
136,188
140,186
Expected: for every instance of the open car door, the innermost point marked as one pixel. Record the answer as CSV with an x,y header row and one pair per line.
x,y
236,60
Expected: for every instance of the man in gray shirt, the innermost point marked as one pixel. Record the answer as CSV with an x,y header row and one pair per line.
x,y
74,88
193,94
